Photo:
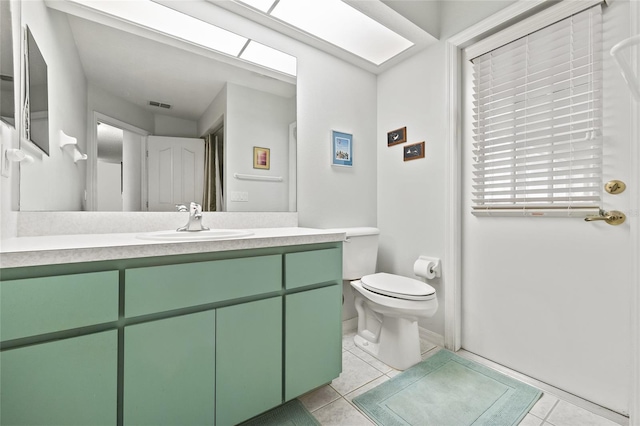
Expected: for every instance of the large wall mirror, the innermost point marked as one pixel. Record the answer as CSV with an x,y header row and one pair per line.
x,y
145,99
37,109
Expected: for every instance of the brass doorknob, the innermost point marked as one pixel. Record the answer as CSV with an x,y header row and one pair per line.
x,y
614,217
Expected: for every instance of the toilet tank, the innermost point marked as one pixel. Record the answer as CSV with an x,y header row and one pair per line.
x,y
359,252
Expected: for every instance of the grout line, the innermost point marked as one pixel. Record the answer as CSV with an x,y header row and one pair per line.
x,y
550,411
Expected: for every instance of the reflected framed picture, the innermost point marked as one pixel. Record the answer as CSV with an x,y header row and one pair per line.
x,y
414,151
341,149
397,136
261,158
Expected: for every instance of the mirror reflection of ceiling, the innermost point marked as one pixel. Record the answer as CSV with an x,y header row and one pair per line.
x,y
140,70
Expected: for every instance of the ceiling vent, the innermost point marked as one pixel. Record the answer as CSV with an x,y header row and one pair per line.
x,y
159,105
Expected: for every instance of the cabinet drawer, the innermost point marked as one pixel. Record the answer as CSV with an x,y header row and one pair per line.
x,y
163,288
313,267
33,306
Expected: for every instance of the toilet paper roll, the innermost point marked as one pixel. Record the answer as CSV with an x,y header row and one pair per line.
x,y
426,267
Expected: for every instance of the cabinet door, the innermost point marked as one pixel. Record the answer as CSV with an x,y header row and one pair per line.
x,y
65,382
313,339
169,371
248,360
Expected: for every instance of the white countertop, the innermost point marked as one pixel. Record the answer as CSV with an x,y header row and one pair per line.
x,y
60,249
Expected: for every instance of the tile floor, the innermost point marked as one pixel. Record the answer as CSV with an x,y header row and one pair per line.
x,y
332,405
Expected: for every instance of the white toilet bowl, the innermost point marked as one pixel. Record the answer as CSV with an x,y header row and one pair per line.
x,y
389,307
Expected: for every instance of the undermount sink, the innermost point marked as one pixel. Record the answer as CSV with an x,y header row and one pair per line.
x,y
209,235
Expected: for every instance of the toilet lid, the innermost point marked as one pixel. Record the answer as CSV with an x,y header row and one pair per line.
x,y
398,286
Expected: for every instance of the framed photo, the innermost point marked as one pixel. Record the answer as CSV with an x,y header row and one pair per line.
x,y
341,149
397,136
414,151
261,158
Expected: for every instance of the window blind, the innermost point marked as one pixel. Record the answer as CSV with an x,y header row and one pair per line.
x,y
538,121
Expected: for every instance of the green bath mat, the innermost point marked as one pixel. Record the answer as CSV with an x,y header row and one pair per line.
x,y
292,413
446,389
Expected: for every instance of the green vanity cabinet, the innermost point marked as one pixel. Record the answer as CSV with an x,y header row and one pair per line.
x,y
191,284
248,360
64,382
313,319
33,306
210,338
313,345
169,370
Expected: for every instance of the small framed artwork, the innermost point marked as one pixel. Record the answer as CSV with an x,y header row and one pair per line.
x,y
341,149
261,158
414,151
397,136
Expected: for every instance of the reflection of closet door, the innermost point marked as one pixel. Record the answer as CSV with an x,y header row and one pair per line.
x,y
176,171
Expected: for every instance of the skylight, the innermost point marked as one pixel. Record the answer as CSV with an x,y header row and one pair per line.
x,y
269,57
339,24
163,19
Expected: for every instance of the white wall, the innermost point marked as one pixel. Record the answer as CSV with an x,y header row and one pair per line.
x,y
334,95
412,195
173,126
67,112
260,119
109,184
113,106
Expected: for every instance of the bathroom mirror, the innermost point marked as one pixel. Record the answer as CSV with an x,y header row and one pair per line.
x,y
37,117
145,87
7,81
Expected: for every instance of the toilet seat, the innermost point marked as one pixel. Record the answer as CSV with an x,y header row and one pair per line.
x,y
398,286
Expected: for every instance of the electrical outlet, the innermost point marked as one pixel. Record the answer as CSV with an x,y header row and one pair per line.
x,y
239,197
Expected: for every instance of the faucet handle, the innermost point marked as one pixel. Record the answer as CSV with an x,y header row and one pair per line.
x,y
195,208
181,208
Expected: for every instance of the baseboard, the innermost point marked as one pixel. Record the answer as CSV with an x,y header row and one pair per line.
x,y
430,336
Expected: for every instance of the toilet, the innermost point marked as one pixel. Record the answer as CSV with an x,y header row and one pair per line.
x,y
388,306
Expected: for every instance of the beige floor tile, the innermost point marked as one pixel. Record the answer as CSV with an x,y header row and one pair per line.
x,y
355,373
365,388
544,405
565,414
530,420
371,360
341,413
319,398
426,346
347,340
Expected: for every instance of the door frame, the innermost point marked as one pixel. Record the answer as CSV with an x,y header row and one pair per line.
x,y
92,154
453,223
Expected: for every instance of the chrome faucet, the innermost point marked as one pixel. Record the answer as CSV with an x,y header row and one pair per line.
x,y
195,219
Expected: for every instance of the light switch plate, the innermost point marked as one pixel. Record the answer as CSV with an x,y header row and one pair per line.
x,y
239,196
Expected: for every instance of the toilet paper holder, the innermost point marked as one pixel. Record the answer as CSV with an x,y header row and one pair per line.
x,y
427,267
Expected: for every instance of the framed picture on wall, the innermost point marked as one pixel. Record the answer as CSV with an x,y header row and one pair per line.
x,y
341,149
414,151
397,136
261,158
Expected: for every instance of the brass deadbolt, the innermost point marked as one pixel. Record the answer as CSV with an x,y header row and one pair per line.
x,y
615,186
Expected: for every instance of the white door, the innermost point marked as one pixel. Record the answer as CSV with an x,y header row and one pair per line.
x,y
550,297
176,171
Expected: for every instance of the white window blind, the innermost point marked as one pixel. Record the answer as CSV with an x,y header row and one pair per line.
x,y
537,121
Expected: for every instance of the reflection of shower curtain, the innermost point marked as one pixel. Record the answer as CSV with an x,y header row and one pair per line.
x,y
213,177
